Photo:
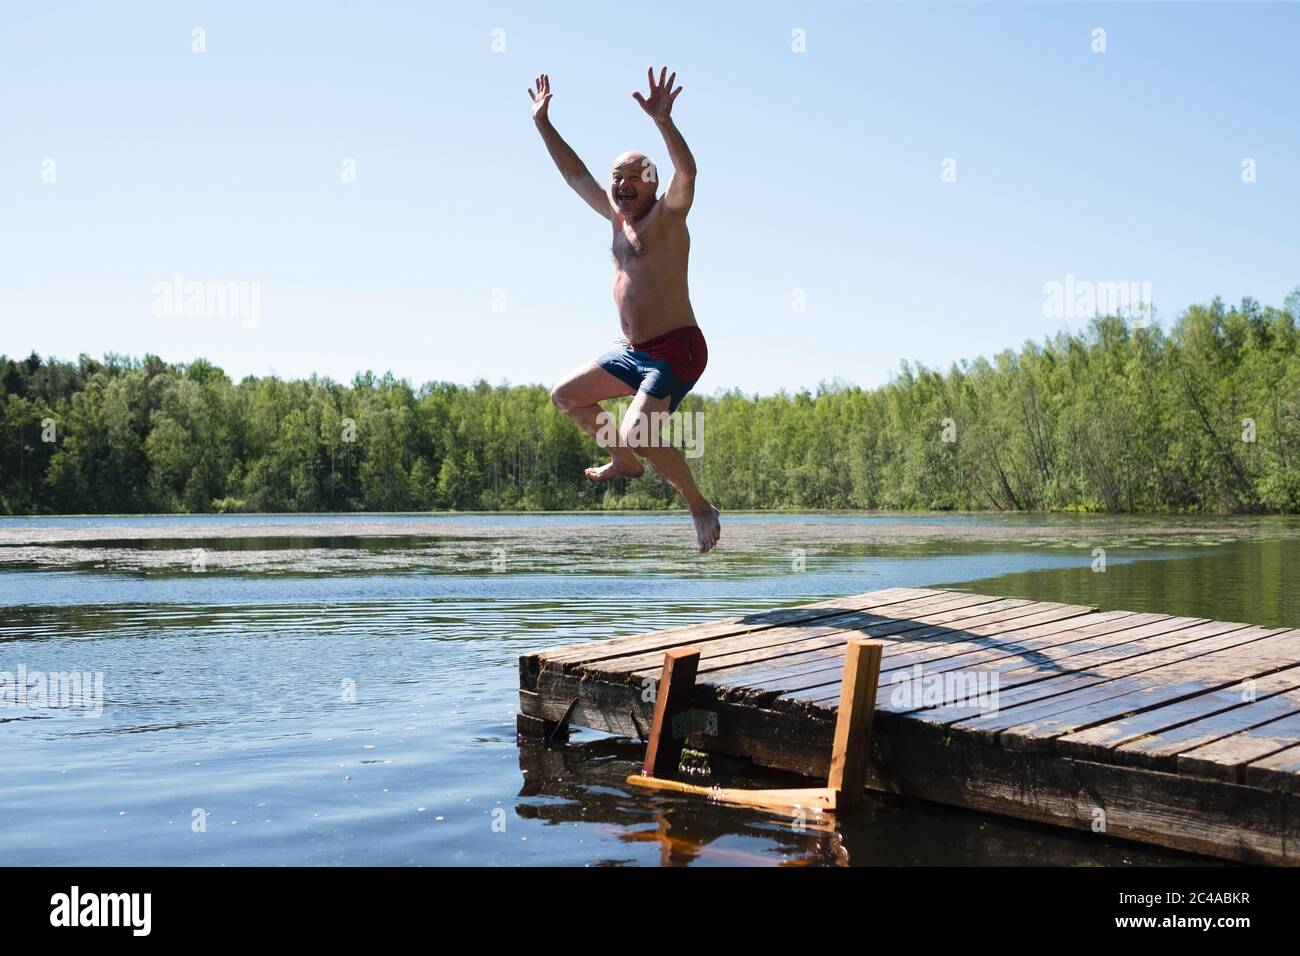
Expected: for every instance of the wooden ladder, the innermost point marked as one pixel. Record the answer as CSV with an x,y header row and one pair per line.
x,y
849,754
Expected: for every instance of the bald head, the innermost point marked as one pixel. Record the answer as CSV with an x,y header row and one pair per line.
x,y
633,183
638,162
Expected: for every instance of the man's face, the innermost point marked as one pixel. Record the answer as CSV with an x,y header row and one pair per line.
x,y
633,183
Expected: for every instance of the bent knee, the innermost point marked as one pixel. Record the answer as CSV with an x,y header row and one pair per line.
x,y
560,397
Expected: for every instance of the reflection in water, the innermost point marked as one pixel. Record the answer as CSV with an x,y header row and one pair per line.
x,y
226,689
1236,581
585,783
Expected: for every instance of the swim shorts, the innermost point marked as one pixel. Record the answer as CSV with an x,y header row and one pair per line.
x,y
666,365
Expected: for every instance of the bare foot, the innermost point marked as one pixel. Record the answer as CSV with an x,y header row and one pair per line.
x,y
618,468
708,528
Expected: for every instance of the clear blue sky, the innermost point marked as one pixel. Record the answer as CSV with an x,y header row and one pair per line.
x,y
818,171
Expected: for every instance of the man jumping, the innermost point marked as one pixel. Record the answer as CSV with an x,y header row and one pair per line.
x,y
666,352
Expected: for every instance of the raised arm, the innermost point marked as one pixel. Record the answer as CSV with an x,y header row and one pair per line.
x,y
566,160
659,106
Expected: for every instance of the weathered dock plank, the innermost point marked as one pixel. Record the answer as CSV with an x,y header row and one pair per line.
x,y
1279,771
938,643
1149,689
1160,750
1037,685
1182,732
1227,757
781,642
1155,726
818,663
660,640
1033,661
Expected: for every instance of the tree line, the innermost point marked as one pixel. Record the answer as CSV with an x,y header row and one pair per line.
x,y
1119,417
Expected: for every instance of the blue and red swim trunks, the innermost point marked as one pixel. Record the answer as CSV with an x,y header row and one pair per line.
x,y
667,365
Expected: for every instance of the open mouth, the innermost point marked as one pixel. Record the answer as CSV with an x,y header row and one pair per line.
x,y
625,194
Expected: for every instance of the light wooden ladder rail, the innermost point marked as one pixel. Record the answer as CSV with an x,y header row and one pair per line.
x,y
849,755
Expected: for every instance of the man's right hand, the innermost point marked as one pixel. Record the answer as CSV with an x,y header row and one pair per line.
x,y
566,160
542,98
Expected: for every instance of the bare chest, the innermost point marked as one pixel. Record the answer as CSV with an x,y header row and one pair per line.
x,y
631,245
646,245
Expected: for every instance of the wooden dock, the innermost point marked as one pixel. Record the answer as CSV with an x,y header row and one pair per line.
x,y
1175,731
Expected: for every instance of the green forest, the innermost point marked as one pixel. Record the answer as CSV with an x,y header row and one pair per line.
x,y
1203,416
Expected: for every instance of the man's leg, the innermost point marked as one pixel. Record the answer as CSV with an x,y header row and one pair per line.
x,y
640,432
579,396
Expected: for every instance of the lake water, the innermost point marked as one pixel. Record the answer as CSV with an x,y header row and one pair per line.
x,y
342,689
